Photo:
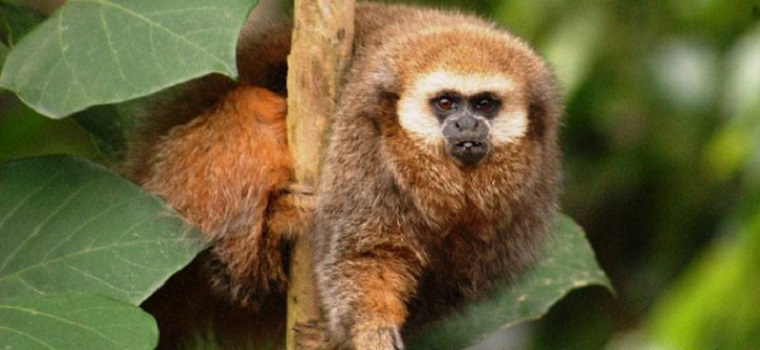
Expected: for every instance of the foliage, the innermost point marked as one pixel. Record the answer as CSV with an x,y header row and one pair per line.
x,y
709,304
661,140
74,321
16,22
70,226
22,129
566,263
715,302
96,52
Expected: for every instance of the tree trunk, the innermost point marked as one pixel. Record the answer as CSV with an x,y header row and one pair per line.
x,y
322,37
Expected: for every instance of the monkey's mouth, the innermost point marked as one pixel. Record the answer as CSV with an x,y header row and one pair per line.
x,y
468,144
468,152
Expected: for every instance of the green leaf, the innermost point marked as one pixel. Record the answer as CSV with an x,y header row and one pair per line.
x,y
109,128
567,263
74,321
70,225
16,22
26,133
3,53
93,52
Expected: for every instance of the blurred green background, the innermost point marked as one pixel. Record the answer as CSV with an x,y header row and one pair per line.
x,y
662,165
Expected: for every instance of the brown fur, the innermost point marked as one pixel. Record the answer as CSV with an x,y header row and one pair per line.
x,y
201,169
402,216
402,234
245,206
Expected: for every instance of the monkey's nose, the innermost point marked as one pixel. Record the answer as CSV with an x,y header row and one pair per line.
x,y
466,124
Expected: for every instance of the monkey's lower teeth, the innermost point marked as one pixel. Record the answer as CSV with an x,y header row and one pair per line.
x,y
468,144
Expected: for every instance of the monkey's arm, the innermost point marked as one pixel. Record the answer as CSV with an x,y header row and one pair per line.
x,y
365,285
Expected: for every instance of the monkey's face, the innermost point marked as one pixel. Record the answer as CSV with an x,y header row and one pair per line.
x,y
465,114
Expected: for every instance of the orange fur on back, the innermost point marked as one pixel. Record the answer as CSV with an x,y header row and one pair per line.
x,y
221,171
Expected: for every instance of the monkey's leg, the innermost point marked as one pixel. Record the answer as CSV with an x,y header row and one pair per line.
x,y
254,263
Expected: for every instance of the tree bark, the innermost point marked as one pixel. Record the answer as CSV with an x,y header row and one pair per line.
x,y
322,38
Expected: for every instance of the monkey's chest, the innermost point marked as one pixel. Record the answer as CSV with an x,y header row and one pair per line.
x,y
466,262
461,268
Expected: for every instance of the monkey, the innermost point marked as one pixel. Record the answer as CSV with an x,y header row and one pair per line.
x,y
438,184
441,175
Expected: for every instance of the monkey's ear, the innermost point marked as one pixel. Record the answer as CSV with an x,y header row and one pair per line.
x,y
386,81
544,109
388,96
385,110
386,90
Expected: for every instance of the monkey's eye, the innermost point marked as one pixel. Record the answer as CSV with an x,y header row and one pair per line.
x,y
485,105
445,103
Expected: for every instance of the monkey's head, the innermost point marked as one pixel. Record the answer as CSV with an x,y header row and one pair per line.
x,y
469,91
464,112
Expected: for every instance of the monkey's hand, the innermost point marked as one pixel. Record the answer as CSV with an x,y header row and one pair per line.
x,y
290,210
311,335
386,338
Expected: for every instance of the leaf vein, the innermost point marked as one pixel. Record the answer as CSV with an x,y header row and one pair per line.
x,y
19,205
39,227
29,285
153,50
115,53
93,277
65,58
130,262
61,319
156,25
91,251
29,336
81,227
201,9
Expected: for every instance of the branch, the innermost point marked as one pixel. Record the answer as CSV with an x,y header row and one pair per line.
x,y
322,37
